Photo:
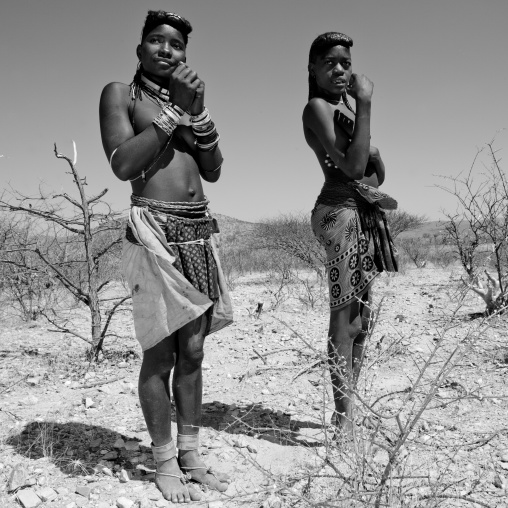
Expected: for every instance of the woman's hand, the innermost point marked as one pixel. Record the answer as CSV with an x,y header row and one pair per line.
x,y
183,85
360,87
198,105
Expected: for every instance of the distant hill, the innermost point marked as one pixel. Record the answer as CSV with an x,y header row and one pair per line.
x,y
234,229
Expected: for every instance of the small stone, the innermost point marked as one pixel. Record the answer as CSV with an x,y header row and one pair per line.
x,y
47,494
499,481
215,504
103,504
17,478
107,471
205,366
72,504
28,498
144,503
88,402
119,443
124,476
83,491
154,496
132,446
96,443
62,491
124,502
272,502
240,442
33,381
265,391
122,365
503,457
162,503
110,456
252,449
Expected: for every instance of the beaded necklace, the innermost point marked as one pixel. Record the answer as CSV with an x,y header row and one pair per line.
x,y
156,93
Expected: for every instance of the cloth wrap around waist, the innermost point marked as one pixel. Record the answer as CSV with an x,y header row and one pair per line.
x,y
349,221
171,263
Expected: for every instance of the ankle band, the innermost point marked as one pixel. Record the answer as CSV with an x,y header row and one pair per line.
x,y
164,452
187,441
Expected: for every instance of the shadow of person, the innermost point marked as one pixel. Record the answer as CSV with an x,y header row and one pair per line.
x,y
263,422
81,449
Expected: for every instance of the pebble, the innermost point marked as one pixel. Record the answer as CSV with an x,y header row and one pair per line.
x,y
110,456
83,491
272,502
124,502
17,478
124,476
47,494
132,446
88,402
122,365
215,504
240,442
62,491
28,498
119,443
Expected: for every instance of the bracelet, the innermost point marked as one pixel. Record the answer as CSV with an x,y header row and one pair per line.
x,y
169,118
213,170
205,131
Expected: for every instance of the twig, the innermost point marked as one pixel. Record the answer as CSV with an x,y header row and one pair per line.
x,y
98,383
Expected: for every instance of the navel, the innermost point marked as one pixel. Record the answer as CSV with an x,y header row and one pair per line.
x,y
192,192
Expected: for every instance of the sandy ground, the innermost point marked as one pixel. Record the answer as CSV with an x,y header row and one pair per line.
x,y
72,434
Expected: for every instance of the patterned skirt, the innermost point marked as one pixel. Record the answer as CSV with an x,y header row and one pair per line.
x,y
189,242
350,265
350,224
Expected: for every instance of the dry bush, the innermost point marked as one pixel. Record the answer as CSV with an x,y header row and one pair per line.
x,y
73,244
481,220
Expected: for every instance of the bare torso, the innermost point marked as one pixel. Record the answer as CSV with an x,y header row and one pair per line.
x,y
175,176
343,126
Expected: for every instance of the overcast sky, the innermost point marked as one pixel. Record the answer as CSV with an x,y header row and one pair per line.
x,y
439,68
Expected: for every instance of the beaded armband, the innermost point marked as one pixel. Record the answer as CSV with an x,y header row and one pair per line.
x,y
169,118
207,137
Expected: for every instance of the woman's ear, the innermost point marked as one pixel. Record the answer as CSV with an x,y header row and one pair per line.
x,y
310,68
138,51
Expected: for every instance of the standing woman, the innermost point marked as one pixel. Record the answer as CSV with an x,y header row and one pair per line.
x,y
348,219
158,134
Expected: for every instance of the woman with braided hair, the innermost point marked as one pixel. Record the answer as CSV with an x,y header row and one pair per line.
x,y
348,219
158,134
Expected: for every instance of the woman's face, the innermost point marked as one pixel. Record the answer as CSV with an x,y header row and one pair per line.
x,y
333,70
161,51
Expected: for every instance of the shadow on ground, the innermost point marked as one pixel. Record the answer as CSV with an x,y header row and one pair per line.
x,y
262,422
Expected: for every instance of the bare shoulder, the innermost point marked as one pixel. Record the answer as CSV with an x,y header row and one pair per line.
x,y
316,108
115,94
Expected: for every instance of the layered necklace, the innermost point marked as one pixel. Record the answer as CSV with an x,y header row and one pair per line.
x,y
156,93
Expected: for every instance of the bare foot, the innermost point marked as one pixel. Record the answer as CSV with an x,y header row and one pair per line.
x,y
172,487
190,459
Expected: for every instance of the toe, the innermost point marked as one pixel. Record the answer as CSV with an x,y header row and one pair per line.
x,y
194,495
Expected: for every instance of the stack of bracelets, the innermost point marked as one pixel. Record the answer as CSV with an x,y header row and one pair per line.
x,y
207,137
169,118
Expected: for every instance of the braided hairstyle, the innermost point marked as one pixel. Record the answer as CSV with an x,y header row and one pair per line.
x,y
153,20
319,46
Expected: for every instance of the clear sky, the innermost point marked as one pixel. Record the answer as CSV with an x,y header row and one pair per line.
x,y
439,68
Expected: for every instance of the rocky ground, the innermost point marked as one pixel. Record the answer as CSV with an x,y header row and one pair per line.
x,y
72,433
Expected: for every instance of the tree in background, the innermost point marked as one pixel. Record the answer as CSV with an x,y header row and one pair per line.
x,y
59,241
478,229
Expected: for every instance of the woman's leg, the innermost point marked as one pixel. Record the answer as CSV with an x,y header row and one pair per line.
x,y
188,391
345,325
155,402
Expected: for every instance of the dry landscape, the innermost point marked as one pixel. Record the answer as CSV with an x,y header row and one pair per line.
x,y
72,432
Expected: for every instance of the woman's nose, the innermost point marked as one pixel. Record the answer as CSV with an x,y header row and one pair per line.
x,y
338,70
165,49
